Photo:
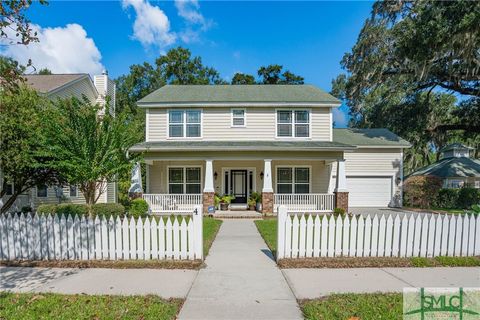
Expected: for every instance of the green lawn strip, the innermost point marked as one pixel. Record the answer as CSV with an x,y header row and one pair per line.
x,y
385,306
58,306
210,230
268,231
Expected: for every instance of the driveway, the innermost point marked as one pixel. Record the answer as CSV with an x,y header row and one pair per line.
x,y
364,211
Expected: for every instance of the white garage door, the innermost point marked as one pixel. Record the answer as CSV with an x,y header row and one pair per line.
x,y
369,191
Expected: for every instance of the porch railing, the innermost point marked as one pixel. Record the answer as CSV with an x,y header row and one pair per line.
x,y
172,203
305,202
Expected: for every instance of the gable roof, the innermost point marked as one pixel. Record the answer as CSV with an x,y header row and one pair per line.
x,y
369,138
451,167
47,83
231,94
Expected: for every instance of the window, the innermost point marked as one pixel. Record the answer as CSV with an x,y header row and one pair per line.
x,y
73,191
455,184
9,189
238,118
184,123
184,180
42,191
293,180
477,184
293,123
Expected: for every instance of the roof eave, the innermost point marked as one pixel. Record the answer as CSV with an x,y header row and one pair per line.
x,y
235,104
253,148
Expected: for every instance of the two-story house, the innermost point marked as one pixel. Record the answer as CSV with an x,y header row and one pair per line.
x,y
61,86
275,139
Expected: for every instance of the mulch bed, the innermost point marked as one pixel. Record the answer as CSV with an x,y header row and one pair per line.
x,y
117,264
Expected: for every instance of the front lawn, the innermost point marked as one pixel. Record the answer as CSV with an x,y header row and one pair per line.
x,y
268,231
58,306
210,230
387,306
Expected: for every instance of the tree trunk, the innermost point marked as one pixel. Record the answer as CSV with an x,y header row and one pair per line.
x,y
9,202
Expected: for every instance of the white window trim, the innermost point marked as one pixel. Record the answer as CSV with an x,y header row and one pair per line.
x,y
244,118
184,124
293,123
293,177
184,167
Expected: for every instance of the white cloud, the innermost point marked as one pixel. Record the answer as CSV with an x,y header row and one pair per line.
x,y
190,11
62,50
151,26
340,118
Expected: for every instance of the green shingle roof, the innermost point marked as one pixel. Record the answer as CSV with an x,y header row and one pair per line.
x,y
369,137
172,94
240,146
451,167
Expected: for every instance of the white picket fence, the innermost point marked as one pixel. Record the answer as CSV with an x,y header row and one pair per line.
x,y
66,238
304,236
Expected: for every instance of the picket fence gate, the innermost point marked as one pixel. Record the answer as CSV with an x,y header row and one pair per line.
x,y
304,236
23,237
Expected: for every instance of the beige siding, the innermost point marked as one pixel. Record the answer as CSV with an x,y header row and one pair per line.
x,y
260,124
372,162
157,178
77,89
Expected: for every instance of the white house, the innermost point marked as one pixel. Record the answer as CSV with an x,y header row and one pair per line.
x,y
59,86
274,139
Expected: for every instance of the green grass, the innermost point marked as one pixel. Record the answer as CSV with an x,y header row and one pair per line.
x,y
57,306
451,211
268,231
385,306
210,230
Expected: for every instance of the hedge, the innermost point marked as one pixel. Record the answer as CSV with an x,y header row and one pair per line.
x,y
138,208
463,198
99,209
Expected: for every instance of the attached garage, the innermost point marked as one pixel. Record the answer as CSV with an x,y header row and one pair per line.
x,y
369,191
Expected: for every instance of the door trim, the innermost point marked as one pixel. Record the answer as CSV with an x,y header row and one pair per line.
x,y
254,178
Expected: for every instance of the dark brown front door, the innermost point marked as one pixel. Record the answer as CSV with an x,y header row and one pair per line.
x,y
239,185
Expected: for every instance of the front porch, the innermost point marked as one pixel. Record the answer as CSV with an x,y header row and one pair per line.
x,y
302,185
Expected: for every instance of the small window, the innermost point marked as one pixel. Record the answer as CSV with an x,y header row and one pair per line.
x,y
238,118
42,191
9,189
477,184
184,181
293,123
184,123
293,180
73,191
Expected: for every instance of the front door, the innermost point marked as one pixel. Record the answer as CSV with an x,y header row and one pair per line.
x,y
239,185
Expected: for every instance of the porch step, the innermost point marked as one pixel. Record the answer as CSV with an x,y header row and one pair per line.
x,y
231,214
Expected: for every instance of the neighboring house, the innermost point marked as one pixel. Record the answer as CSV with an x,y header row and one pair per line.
x,y
274,139
60,86
455,167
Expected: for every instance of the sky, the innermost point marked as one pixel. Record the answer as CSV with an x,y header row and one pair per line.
x,y
307,38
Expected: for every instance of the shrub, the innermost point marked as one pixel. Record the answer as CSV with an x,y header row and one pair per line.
x,y
108,209
468,197
338,212
138,208
47,209
447,198
71,209
26,209
421,191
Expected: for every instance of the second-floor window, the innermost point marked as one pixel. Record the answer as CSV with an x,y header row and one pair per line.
x,y
293,123
184,123
238,118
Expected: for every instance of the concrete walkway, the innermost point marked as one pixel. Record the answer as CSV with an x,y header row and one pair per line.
x,y
164,283
241,281
314,283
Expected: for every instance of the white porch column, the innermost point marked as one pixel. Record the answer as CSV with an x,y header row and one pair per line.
x,y
267,176
209,176
341,185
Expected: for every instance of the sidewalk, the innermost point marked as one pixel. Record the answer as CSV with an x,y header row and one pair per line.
x,y
241,281
314,283
164,283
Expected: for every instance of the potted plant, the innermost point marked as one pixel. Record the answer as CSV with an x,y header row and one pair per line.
x,y
217,201
252,204
225,201
258,200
